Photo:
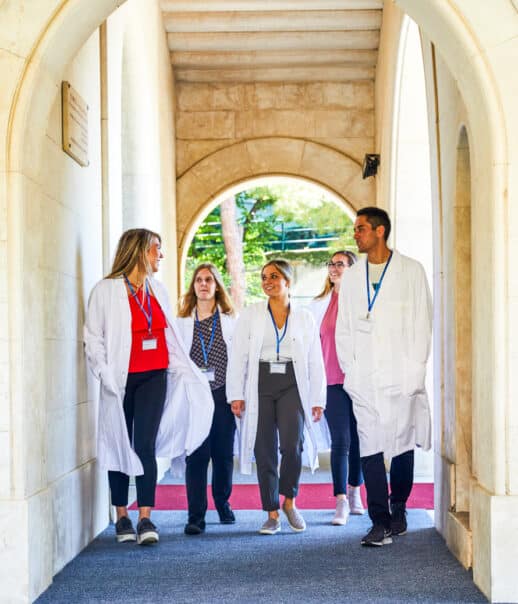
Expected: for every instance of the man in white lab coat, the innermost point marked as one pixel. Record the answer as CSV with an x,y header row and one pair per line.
x,y
383,339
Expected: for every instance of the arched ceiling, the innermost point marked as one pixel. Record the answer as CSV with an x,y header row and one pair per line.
x,y
273,40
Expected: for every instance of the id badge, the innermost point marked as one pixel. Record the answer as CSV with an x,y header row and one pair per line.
x,y
276,367
209,373
150,343
365,324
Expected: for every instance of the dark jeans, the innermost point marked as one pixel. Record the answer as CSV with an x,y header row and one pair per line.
x,y
280,420
401,482
344,439
143,405
218,446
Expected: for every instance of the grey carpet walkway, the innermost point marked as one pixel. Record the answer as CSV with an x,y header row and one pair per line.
x,y
234,564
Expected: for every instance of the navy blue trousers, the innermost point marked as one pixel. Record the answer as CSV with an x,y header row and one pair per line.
x,y
218,447
345,445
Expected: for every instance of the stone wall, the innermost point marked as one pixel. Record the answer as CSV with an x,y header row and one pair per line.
x,y
213,116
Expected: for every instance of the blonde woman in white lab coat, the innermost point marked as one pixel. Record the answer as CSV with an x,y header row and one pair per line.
x,y
148,383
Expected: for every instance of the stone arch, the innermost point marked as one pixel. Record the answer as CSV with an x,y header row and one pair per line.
x,y
275,156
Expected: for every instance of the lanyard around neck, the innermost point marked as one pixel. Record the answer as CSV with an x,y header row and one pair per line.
x,y
278,338
370,303
205,350
149,313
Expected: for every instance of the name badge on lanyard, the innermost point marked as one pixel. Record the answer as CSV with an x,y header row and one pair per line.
x,y
278,366
370,303
208,372
149,341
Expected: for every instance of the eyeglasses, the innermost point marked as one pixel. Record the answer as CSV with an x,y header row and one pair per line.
x,y
338,264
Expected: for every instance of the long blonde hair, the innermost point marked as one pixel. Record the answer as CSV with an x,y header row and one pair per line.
x,y
328,286
188,301
132,251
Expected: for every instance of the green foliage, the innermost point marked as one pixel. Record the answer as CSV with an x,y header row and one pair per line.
x,y
261,212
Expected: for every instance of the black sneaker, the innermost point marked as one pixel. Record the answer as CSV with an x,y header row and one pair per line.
x,y
146,532
124,530
226,515
398,523
194,528
377,536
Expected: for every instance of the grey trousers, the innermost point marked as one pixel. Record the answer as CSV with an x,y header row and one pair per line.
x,y
281,419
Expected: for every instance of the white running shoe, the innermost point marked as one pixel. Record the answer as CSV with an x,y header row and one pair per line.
x,y
341,513
355,501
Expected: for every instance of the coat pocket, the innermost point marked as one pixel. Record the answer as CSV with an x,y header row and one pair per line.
x,y
414,374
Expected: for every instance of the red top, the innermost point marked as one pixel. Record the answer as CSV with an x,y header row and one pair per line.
x,y
327,338
154,358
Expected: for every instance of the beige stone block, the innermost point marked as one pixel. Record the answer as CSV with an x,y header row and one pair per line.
x,y
191,195
14,552
81,504
327,166
338,95
270,95
359,192
355,148
228,97
40,521
66,373
223,169
193,97
189,153
252,124
275,155
350,123
459,538
205,125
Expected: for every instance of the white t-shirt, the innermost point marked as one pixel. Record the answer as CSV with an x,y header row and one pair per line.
x,y
269,347
375,272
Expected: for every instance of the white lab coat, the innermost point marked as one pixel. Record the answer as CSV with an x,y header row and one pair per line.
x,y
318,308
188,410
186,329
243,375
385,368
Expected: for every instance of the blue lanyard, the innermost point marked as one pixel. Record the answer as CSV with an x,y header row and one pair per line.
x,y
279,339
205,351
149,314
370,303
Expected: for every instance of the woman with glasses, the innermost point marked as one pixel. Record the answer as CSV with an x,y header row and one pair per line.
x,y
206,323
277,387
339,413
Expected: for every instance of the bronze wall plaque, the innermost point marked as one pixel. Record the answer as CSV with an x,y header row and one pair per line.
x,y
74,124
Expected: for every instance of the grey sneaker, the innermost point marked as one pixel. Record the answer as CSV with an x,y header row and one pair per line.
x,y
342,512
124,530
377,536
355,501
146,532
271,526
295,519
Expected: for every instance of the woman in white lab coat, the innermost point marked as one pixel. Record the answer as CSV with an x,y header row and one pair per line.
x,y
277,387
339,408
149,386
206,323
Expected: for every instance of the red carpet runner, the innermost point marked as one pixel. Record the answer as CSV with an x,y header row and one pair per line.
x,y
311,497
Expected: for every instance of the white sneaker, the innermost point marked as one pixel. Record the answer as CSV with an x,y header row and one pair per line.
x,y
342,512
355,501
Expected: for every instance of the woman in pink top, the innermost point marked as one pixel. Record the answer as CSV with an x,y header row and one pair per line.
x,y
345,450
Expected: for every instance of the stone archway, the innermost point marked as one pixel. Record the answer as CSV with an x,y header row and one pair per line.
x,y
273,156
51,39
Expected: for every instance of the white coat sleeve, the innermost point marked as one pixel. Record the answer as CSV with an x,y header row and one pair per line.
x,y
423,313
344,328
94,337
317,375
237,367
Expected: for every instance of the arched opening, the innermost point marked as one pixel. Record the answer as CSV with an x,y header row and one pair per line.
x,y
30,105
306,185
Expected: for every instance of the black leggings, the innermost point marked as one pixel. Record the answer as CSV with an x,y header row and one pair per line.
x,y
143,405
